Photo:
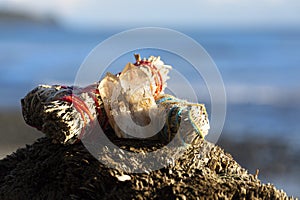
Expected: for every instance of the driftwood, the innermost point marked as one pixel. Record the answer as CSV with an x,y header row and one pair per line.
x,y
54,171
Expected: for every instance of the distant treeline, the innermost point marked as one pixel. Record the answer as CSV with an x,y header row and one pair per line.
x,y
19,16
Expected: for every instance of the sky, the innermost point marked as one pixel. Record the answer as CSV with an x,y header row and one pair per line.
x,y
196,13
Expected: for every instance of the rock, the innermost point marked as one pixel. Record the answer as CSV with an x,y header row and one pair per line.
x,y
45,170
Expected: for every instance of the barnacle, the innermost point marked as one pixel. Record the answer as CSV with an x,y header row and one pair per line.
x,y
129,98
184,119
62,113
133,99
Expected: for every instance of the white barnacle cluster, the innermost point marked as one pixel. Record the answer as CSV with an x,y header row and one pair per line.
x,y
131,102
129,97
53,110
156,71
185,120
137,106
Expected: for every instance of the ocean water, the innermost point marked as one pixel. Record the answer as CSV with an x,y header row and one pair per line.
x,y
260,70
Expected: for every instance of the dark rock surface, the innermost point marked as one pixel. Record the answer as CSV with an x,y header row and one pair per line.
x,y
53,171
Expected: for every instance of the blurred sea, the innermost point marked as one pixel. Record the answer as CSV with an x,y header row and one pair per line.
x,y
260,70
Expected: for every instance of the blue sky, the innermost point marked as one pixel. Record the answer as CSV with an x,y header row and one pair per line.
x,y
195,13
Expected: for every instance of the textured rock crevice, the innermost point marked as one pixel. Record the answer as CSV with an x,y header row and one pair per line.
x,y
53,171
